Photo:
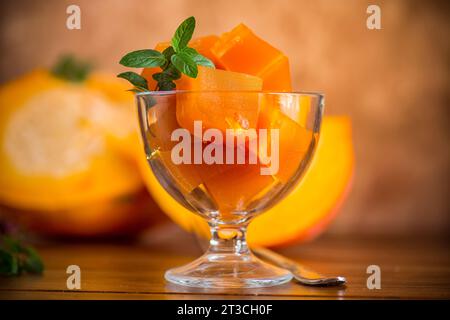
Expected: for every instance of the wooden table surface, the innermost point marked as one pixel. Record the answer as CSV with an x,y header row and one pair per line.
x,y
414,268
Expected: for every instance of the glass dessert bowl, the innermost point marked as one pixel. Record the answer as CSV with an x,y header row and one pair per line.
x,y
229,156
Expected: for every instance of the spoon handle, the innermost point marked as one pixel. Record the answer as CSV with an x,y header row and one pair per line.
x,y
301,274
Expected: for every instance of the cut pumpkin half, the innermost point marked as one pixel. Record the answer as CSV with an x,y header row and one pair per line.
x,y
57,148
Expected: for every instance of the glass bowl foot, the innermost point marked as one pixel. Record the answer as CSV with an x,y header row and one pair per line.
x,y
228,270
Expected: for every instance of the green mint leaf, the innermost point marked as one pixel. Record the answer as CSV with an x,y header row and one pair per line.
x,y
183,34
12,245
137,90
32,262
15,258
166,85
71,69
184,63
168,53
203,61
173,72
169,74
198,58
134,79
146,58
161,76
9,264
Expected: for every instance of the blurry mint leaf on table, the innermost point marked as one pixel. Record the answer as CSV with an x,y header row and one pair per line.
x,y
146,58
134,78
9,266
32,262
16,258
183,34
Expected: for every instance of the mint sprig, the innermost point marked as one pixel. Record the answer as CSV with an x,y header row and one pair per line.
x,y
15,258
175,60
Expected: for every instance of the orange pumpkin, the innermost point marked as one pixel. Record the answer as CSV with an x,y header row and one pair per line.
x,y
240,50
65,155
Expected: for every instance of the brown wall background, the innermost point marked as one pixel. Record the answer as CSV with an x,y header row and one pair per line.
x,y
393,82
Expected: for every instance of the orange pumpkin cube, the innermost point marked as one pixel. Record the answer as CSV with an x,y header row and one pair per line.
x,y
232,110
184,175
240,50
147,73
294,139
162,122
231,196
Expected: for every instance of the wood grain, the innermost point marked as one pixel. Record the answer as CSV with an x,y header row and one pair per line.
x,y
409,270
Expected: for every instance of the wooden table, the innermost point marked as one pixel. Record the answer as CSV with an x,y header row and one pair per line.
x,y
410,268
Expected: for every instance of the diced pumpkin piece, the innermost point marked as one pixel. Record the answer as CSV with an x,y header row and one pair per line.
x,y
296,107
294,140
277,76
209,79
240,50
184,175
237,110
162,122
233,189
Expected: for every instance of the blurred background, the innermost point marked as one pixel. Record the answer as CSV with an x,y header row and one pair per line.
x,y
393,82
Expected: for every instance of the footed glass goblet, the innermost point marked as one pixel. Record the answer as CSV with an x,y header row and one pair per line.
x,y
228,156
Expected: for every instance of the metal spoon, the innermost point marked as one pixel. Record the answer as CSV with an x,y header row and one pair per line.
x,y
301,274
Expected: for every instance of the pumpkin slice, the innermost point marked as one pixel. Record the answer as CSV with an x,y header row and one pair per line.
x,y
240,50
